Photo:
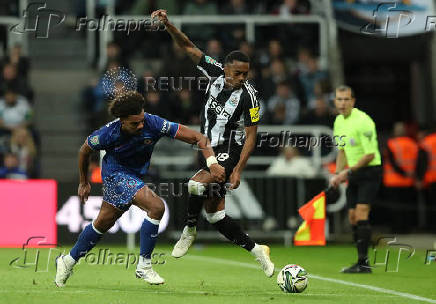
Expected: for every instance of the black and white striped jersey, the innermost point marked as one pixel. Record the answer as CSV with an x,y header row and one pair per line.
x,y
226,112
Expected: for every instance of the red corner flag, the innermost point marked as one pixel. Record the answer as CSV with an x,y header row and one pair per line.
x,y
312,231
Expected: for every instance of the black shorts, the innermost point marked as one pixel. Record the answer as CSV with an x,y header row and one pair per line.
x,y
363,186
227,158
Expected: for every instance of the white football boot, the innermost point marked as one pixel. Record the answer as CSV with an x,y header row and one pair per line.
x,y
63,271
186,240
149,275
261,252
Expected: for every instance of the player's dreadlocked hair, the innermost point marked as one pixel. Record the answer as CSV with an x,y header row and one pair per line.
x,y
236,55
129,103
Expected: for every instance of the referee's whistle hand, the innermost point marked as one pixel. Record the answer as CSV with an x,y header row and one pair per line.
x,y
218,172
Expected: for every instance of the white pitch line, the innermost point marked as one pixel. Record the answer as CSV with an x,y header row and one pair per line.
x,y
369,287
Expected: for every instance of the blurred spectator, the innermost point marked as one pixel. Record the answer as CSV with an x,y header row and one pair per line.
x,y
113,53
236,7
427,179
247,48
16,58
177,64
147,82
232,36
400,157
23,146
185,109
293,7
284,107
274,52
322,89
15,111
93,104
153,104
290,163
10,78
215,50
11,169
271,76
200,32
309,73
321,114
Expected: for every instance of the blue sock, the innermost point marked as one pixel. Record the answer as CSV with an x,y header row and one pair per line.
x,y
148,237
86,241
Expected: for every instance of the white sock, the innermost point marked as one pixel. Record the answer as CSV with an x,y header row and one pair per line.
x,y
69,261
256,249
143,262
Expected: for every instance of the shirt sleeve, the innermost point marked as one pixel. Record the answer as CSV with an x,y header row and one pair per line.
x,y
100,139
251,106
210,67
368,137
162,127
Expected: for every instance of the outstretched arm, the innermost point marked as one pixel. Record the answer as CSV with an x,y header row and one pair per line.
x,y
250,143
193,137
179,37
84,186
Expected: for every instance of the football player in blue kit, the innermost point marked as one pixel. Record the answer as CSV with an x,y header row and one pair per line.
x,y
128,141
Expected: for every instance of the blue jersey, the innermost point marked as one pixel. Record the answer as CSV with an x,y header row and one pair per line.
x,y
130,153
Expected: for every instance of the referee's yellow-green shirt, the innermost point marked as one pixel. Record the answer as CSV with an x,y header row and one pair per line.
x,y
356,135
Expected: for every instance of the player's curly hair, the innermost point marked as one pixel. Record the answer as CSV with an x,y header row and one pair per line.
x,y
129,103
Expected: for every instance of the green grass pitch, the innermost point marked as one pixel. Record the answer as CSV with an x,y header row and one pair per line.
x,y
220,274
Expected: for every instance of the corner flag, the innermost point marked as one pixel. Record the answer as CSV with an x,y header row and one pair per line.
x,y
312,231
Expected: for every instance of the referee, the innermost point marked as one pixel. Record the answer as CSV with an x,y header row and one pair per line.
x,y
358,148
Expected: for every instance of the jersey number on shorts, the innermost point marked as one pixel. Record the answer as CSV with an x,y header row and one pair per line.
x,y
222,156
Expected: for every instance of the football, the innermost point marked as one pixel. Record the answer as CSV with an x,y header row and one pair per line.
x,y
292,279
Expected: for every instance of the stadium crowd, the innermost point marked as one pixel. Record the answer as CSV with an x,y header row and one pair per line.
x,y
294,89
18,150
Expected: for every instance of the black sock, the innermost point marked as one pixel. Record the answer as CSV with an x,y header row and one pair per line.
x,y
195,203
363,233
233,232
354,231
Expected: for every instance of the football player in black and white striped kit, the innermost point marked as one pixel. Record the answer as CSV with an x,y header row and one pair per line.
x,y
229,119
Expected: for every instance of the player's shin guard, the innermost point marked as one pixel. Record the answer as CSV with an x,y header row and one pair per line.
x,y
148,236
86,241
363,234
233,232
195,204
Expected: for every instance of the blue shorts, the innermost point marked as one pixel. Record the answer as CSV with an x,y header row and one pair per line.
x,y
119,189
